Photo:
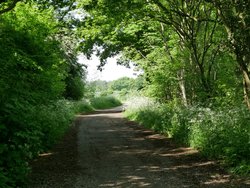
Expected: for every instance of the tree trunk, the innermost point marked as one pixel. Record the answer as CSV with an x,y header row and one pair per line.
x,y
246,85
182,87
243,61
237,27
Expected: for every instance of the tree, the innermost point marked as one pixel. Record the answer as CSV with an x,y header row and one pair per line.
x,y
139,29
96,88
61,6
7,5
34,67
235,18
121,83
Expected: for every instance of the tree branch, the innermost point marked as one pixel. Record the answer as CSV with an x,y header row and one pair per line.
x,y
10,6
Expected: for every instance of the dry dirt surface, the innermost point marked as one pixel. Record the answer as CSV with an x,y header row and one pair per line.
x,y
105,150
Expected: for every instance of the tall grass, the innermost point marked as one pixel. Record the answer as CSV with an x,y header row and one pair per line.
x,y
105,102
80,106
222,134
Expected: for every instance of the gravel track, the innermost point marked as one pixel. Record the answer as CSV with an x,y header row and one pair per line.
x,y
106,150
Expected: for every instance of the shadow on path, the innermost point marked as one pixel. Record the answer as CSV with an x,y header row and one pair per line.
x,y
115,152
105,150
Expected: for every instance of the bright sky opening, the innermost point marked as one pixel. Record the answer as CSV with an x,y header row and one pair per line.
x,y
111,71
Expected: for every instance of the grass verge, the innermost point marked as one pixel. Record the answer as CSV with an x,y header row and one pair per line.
x,y
222,134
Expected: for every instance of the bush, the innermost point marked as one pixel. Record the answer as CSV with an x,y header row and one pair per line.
x,y
104,102
222,134
35,128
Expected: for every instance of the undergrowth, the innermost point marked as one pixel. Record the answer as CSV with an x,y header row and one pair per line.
x,y
35,128
222,134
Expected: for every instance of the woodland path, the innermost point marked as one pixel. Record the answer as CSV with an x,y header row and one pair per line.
x,y
105,150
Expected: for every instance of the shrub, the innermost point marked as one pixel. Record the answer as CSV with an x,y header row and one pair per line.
x,y
223,134
34,128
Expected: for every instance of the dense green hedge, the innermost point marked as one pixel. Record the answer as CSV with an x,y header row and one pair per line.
x,y
222,134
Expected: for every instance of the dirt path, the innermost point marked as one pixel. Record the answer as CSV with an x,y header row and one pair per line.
x,y
105,150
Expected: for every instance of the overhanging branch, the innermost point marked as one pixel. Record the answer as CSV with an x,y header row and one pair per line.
x,y
9,7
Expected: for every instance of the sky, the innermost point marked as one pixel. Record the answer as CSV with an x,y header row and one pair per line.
x,y
111,71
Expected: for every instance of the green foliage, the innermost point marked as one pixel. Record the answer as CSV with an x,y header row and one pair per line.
x,y
75,80
34,128
179,61
54,120
121,88
96,88
221,133
32,68
104,102
121,83
7,5
74,88
125,87
181,46
234,16
80,106
139,109
217,134
32,80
